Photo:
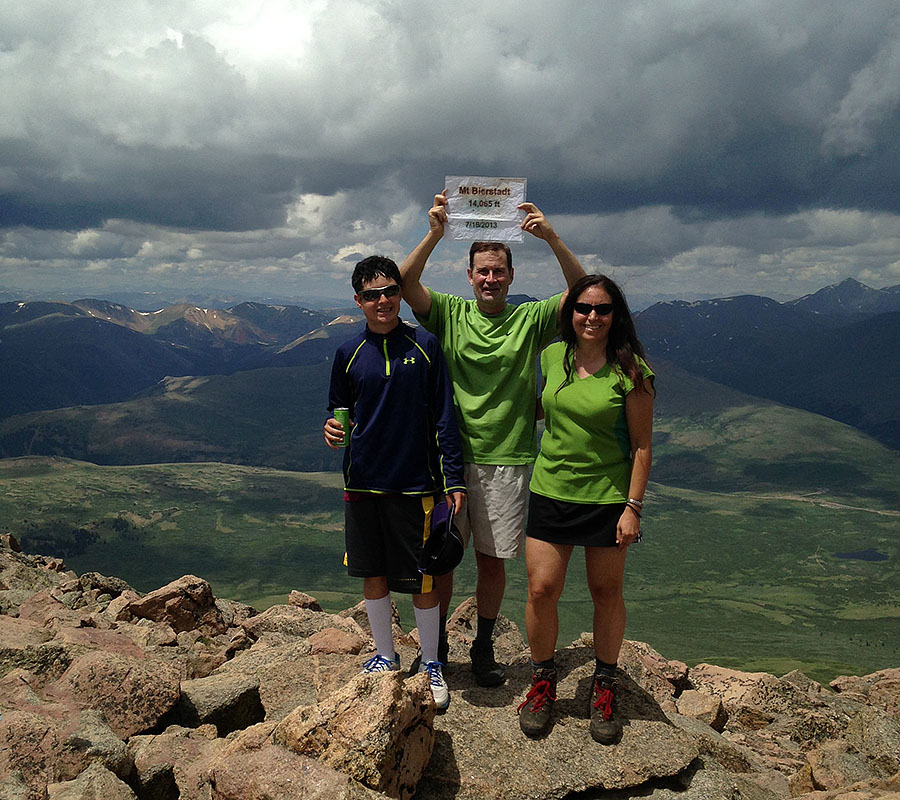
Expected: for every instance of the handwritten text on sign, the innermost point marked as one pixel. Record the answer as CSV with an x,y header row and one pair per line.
x,y
484,209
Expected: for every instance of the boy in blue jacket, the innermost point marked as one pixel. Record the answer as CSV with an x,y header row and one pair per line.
x,y
403,455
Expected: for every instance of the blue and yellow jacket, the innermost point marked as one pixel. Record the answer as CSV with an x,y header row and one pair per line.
x,y
404,436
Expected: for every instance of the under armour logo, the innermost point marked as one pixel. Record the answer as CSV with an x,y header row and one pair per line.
x,y
410,360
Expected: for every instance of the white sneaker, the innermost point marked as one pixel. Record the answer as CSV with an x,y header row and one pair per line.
x,y
378,663
439,690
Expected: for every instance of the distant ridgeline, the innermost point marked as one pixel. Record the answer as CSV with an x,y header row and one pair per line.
x,y
256,375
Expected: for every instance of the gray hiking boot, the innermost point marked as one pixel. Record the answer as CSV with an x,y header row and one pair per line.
x,y
537,709
605,727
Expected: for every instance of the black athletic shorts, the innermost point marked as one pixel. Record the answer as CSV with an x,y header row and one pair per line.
x,y
384,535
562,522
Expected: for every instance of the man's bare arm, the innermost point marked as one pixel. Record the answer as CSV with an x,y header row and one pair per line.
x,y
414,292
537,224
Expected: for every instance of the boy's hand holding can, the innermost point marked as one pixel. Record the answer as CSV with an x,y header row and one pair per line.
x,y
337,427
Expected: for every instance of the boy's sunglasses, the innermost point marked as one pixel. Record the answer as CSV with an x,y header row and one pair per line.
x,y
602,309
371,295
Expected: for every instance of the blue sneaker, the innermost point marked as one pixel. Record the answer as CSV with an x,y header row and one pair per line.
x,y
439,690
378,663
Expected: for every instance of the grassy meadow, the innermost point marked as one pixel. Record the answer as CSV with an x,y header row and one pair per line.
x,y
757,579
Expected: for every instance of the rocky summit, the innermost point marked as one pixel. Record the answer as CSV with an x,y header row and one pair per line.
x,y
108,693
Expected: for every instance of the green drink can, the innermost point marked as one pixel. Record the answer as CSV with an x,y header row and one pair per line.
x,y
342,415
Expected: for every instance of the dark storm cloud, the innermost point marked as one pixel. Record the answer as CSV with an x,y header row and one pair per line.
x,y
671,128
610,106
202,189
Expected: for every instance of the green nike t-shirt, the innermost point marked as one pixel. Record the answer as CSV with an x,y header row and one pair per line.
x,y
585,452
492,361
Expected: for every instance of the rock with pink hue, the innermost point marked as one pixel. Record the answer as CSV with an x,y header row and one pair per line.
x,y
17,637
836,764
876,736
25,644
185,604
18,691
661,678
757,700
738,689
95,783
118,609
332,640
253,768
378,730
704,707
163,763
228,701
91,741
196,657
303,600
289,675
29,746
674,671
234,613
713,745
880,688
133,694
294,621
888,789
80,640
46,748
23,575
885,693
147,634
48,610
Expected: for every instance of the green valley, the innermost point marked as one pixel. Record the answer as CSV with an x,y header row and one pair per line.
x,y
748,579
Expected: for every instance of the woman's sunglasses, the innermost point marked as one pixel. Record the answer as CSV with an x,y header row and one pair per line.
x,y
371,295
602,309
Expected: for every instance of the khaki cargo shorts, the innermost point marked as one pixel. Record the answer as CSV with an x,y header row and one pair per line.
x,y
494,512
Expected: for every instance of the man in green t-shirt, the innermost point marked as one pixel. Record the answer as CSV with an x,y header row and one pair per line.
x,y
491,349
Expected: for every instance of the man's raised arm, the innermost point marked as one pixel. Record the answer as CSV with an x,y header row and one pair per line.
x,y
416,295
537,224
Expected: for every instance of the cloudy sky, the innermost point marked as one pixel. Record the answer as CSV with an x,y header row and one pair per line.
x,y
689,148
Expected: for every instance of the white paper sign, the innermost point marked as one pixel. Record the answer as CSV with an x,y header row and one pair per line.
x,y
484,209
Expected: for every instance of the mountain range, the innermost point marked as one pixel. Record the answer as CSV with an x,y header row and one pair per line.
x,y
90,352
248,383
835,352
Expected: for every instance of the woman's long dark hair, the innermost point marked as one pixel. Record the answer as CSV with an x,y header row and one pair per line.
x,y
622,345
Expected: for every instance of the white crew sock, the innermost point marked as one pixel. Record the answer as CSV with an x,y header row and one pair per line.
x,y
379,613
428,621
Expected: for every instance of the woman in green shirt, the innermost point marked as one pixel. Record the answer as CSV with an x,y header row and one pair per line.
x,y
587,489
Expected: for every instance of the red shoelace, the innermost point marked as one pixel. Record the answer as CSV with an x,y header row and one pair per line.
x,y
603,700
540,692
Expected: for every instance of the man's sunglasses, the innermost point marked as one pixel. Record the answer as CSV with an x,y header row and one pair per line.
x,y
371,295
602,309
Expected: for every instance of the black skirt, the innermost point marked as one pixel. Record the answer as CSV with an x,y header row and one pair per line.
x,y
562,522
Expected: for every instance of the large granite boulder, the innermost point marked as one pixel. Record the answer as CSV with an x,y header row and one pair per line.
x,y
133,694
95,783
186,604
475,738
378,730
252,767
228,701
